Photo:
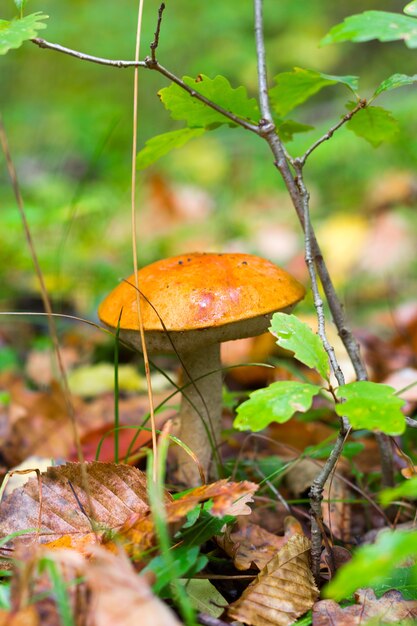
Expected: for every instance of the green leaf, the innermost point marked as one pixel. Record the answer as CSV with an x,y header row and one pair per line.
x,y
204,597
372,406
197,114
15,32
294,335
276,403
407,489
402,579
371,564
294,88
395,81
160,145
187,559
288,128
380,25
374,124
411,8
20,5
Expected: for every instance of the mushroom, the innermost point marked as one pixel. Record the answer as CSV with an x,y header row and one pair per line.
x,y
195,302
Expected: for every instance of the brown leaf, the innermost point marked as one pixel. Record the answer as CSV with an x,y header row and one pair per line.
x,y
283,591
250,545
391,607
115,492
24,617
229,498
138,533
122,598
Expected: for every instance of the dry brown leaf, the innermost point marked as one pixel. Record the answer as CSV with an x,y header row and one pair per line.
x,y
283,591
389,608
120,597
229,498
116,493
138,532
250,545
24,617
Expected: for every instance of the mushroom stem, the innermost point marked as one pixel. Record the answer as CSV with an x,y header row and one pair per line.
x,y
200,412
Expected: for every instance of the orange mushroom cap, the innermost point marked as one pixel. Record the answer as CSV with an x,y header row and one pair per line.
x,y
200,291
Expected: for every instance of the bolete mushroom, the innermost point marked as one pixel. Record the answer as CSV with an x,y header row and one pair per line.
x,y
195,302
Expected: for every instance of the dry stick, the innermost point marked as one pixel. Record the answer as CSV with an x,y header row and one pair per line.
x,y
48,310
134,246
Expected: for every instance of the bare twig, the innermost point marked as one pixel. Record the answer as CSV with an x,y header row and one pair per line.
x,y
150,64
47,45
361,105
155,43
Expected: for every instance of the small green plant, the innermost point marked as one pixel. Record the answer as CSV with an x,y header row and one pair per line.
x,y
367,405
21,28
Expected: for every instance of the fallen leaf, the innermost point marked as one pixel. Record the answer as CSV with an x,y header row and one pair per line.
x,y
250,545
389,608
393,188
92,380
115,493
283,591
229,498
138,532
120,597
24,617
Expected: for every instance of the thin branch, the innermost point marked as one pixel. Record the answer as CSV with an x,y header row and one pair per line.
x,y
155,43
318,302
261,59
47,45
150,64
361,105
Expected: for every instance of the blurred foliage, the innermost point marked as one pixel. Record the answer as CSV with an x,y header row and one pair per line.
x,y
69,126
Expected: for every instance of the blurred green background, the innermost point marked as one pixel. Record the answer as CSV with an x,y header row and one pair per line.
x,y
69,125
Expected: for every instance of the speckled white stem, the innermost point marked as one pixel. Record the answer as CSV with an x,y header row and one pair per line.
x,y
201,411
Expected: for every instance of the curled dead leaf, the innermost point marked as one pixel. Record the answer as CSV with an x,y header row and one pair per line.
x,y
389,608
283,591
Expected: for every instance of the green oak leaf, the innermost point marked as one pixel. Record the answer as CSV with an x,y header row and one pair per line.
x,y
407,489
294,335
286,129
294,88
183,106
159,146
371,564
411,8
381,25
276,403
374,124
15,32
372,406
395,81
